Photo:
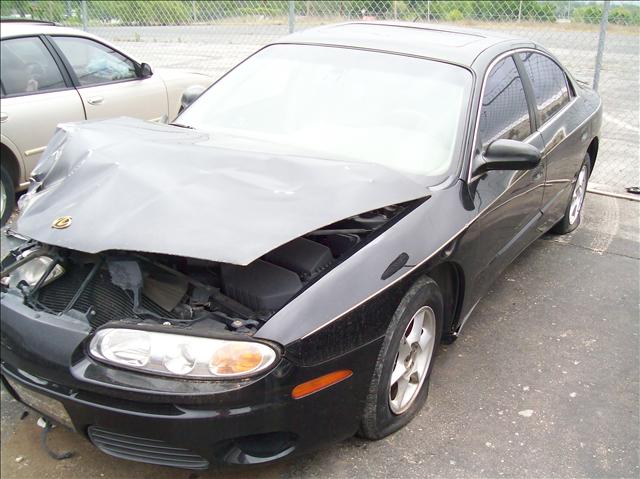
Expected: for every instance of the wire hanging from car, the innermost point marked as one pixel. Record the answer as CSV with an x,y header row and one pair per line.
x,y
46,426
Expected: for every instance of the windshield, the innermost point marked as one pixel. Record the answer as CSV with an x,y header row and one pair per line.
x,y
344,104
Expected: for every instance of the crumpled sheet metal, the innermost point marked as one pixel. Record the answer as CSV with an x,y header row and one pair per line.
x,y
139,186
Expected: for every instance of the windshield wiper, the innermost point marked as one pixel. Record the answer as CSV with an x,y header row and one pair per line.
x,y
180,125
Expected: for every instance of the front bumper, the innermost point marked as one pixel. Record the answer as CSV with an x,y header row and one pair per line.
x,y
196,423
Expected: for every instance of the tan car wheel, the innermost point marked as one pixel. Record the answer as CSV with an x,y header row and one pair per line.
x,y
7,196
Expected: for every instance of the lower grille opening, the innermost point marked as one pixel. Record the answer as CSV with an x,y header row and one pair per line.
x,y
151,451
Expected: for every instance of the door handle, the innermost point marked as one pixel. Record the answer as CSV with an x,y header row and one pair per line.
x,y
95,100
4,117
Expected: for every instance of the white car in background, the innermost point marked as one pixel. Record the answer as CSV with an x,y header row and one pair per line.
x,y
53,74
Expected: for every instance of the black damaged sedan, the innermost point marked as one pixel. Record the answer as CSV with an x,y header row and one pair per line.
x,y
274,270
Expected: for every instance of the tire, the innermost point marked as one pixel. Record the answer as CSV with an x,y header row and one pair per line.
x,y
7,196
385,411
573,213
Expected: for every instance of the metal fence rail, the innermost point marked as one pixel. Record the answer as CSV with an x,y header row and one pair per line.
x,y
598,43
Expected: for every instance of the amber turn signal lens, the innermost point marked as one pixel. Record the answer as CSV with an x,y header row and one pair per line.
x,y
317,384
235,358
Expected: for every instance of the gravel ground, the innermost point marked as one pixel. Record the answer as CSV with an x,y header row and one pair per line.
x,y
543,382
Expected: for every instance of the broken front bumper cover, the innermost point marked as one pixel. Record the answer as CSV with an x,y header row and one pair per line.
x,y
234,422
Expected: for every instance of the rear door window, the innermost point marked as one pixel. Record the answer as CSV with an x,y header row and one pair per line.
x,y
549,83
26,66
504,112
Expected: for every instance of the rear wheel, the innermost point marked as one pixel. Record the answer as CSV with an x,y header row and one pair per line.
x,y
400,383
573,213
7,196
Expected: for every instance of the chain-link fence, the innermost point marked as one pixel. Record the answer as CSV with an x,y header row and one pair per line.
x,y
597,42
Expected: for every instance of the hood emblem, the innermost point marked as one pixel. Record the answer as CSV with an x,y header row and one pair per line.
x,y
62,222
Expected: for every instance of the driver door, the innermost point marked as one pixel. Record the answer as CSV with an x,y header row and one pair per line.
x,y
508,202
108,81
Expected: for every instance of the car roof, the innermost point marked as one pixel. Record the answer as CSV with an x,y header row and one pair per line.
x,y
446,43
12,29
21,28
451,44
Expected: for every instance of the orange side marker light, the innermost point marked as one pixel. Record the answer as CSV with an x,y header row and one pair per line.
x,y
320,383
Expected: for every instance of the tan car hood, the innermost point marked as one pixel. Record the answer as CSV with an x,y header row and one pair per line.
x,y
138,186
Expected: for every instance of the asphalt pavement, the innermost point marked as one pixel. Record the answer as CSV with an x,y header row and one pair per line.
x,y
543,382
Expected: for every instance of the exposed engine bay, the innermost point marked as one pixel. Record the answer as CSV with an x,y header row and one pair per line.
x,y
178,291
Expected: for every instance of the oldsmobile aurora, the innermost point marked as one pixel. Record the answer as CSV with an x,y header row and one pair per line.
x,y
274,271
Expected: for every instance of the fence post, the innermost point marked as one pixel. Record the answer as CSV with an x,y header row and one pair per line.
x,y
601,41
519,11
83,14
292,16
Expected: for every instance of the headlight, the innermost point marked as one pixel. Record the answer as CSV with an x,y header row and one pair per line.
x,y
178,355
32,271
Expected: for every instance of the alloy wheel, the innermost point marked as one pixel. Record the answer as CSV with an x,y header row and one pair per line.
x,y
412,360
579,192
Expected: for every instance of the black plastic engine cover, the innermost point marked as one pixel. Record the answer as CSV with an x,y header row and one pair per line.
x,y
301,255
260,285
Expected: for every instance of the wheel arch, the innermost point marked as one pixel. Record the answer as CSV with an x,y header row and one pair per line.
x,y
450,279
11,162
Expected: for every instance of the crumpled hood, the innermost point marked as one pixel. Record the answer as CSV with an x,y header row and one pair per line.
x,y
138,186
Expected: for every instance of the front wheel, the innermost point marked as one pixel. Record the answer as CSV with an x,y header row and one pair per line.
x,y
400,382
573,213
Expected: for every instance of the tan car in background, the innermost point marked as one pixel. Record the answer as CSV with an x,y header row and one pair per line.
x,y
53,74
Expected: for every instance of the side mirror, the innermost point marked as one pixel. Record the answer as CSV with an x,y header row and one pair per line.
x,y
190,95
145,71
507,155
